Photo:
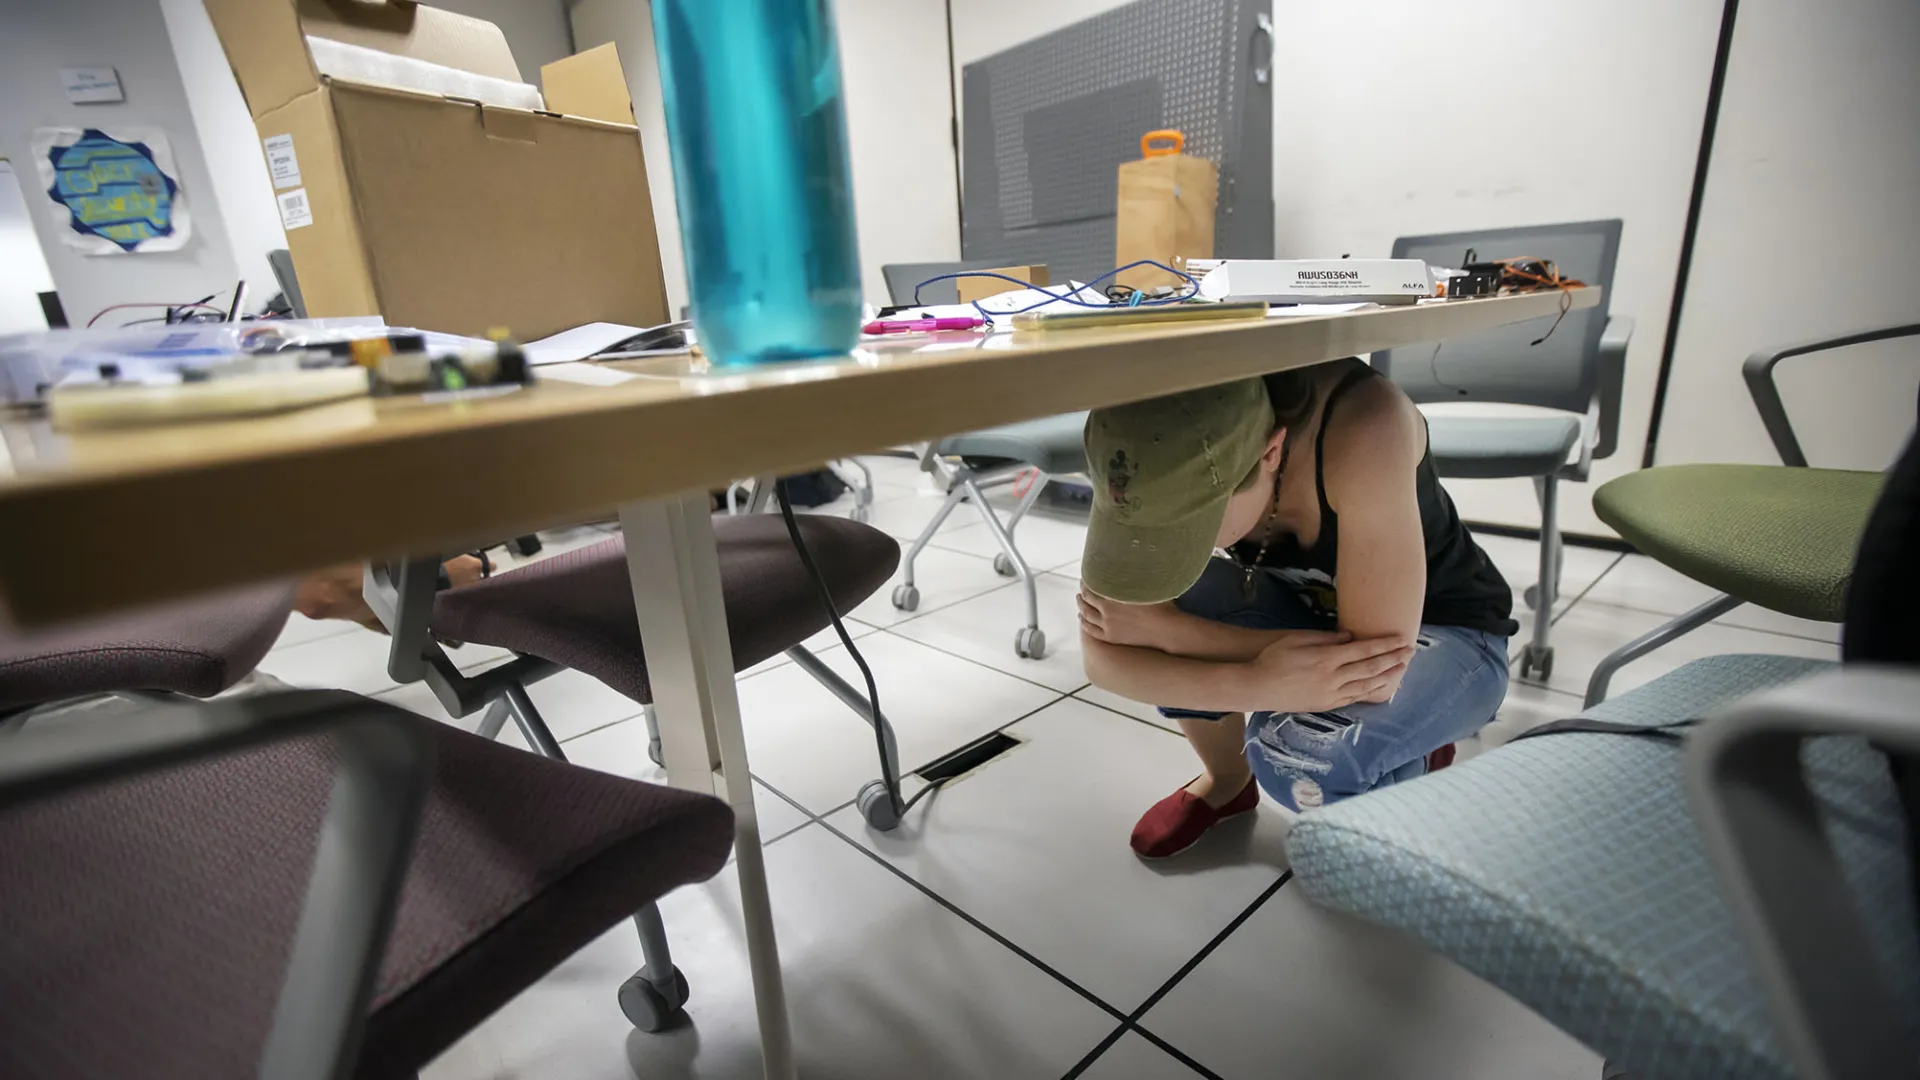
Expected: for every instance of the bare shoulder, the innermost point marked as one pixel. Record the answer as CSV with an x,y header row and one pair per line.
x,y
1375,434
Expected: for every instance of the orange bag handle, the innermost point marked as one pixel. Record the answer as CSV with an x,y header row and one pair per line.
x,y
1148,150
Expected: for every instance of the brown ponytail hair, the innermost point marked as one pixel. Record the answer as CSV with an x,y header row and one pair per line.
x,y
1292,395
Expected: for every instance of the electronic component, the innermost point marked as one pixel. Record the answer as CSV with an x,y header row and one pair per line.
x,y
396,363
123,404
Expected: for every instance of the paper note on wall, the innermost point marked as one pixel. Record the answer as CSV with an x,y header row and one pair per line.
x,y
116,188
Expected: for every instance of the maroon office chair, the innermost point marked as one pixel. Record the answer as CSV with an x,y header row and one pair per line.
x,y
576,610
150,911
196,648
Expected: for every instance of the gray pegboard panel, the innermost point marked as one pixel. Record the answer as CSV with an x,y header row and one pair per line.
x,y
1074,150
1048,122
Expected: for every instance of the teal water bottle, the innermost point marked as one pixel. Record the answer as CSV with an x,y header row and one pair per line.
x,y
759,137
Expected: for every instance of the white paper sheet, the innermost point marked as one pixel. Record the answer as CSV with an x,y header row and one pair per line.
x,y
577,343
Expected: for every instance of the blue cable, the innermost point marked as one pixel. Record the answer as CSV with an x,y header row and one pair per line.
x,y
1193,289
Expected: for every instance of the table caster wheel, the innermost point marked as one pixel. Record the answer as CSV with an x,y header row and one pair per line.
x,y
650,1010
906,597
1004,566
1536,663
653,753
1030,643
862,514
877,807
1532,597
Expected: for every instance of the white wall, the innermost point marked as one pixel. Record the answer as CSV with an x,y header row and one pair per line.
x,y
241,185
1810,227
23,271
899,127
1613,132
893,63
129,35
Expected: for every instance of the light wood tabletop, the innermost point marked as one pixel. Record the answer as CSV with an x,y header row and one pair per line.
x,y
97,521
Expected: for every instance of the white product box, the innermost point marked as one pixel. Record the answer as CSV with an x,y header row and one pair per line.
x,y
1317,281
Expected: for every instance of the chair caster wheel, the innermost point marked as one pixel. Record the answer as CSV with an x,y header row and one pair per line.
x,y
1536,663
877,807
906,597
1532,597
1004,566
861,514
1030,643
650,1010
653,753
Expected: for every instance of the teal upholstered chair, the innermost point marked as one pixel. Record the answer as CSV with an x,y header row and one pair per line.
x,y
1733,898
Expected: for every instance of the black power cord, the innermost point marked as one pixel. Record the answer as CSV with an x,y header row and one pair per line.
x,y
873,691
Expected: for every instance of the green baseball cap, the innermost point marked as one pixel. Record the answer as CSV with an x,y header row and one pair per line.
x,y
1162,472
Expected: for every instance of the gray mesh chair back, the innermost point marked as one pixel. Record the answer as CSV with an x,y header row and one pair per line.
x,y
1572,362
1503,364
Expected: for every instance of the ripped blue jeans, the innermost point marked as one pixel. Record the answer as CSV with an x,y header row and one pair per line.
x,y
1454,684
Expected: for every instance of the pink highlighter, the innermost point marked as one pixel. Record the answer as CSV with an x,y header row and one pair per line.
x,y
908,326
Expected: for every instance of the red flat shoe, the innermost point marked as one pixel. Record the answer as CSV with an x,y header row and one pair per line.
x,y
1441,758
1177,822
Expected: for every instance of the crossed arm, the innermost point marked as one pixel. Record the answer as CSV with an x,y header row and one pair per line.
x,y
1227,668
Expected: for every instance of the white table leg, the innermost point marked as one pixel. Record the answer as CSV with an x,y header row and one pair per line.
x,y
675,572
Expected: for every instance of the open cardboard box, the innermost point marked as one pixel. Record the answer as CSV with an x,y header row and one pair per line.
x,y
439,212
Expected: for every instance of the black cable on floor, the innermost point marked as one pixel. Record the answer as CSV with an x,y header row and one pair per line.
x,y
826,598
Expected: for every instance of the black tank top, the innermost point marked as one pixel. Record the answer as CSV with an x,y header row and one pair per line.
x,y
1464,588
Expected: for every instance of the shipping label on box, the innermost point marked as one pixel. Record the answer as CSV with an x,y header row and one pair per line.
x,y
282,165
295,211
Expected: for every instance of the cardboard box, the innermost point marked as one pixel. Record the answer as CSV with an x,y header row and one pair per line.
x,y
979,288
440,212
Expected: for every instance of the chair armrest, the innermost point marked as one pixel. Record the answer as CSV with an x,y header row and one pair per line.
x,y
385,762
1758,371
401,596
1779,876
1613,373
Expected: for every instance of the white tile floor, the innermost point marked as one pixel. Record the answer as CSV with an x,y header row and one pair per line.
x,y
1005,930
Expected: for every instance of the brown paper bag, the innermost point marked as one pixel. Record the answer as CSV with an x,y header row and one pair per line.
x,y
1167,201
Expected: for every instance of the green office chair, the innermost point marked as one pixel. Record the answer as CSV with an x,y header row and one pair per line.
x,y
1780,536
